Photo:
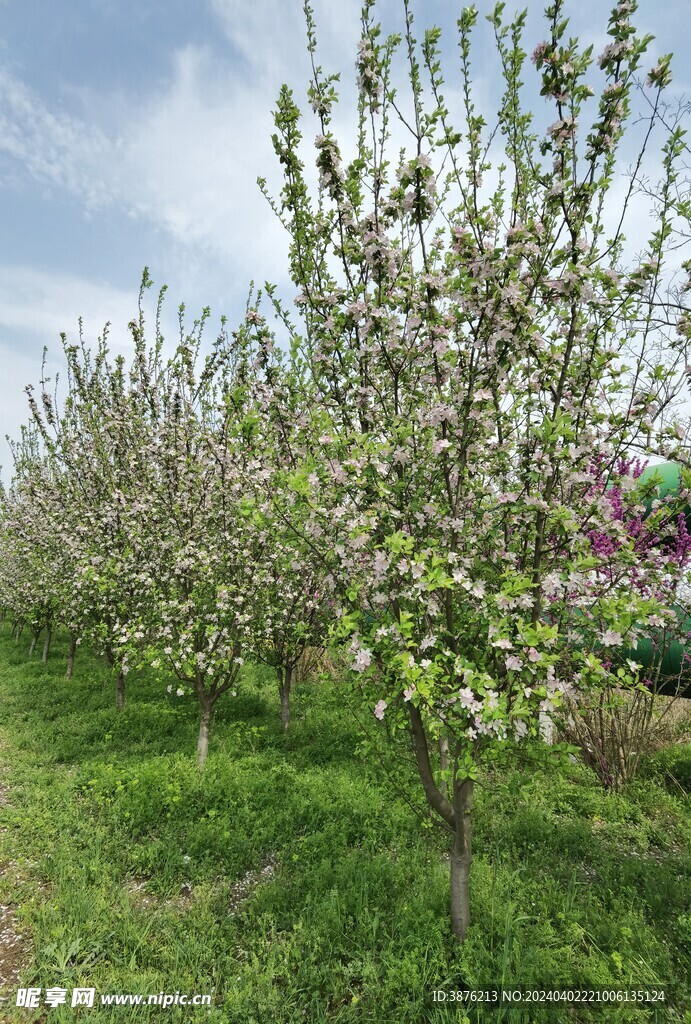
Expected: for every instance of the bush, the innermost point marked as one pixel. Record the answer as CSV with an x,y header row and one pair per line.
x,y
616,728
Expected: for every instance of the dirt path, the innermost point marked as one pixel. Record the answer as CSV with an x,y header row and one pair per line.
x,y
14,946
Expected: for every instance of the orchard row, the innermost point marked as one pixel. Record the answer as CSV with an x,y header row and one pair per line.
x,y
439,464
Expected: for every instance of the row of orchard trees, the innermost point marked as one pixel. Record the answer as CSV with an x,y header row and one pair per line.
x,y
440,464
138,520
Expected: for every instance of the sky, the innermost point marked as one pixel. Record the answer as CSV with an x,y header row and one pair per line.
x,y
132,133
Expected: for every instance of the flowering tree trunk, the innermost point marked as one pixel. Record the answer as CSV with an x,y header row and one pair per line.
x,y
444,764
457,816
461,857
119,678
120,689
284,682
46,642
71,654
206,709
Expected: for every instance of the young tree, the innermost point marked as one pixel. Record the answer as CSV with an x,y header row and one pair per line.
x,y
94,447
198,538
38,567
291,606
481,357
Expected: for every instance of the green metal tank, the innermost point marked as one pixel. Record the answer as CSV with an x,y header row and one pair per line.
x,y
669,476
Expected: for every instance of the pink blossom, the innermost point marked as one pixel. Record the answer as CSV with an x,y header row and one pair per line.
x,y
467,699
539,53
362,660
439,446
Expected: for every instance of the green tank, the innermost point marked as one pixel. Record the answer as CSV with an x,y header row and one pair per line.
x,y
673,668
669,475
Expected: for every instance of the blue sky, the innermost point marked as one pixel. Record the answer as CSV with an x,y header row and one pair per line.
x,y
132,133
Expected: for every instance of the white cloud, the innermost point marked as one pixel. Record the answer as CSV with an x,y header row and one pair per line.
x,y
185,157
190,164
271,35
187,161
41,304
53,148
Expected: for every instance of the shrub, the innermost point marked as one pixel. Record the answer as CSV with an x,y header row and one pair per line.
x,y
616,728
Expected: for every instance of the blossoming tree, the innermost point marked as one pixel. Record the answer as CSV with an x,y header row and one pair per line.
x,y
200,546
95,469
481,358
35,566
292,602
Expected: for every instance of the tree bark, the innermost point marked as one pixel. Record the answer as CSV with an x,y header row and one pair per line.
x,y
461,858
435,798
204,729
444,764
120,690
284,681
71,655
34,641
46,644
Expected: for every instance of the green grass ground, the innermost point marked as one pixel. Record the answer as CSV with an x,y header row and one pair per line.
x,y
291,881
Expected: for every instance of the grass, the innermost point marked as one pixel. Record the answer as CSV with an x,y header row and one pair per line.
x,y
292,882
